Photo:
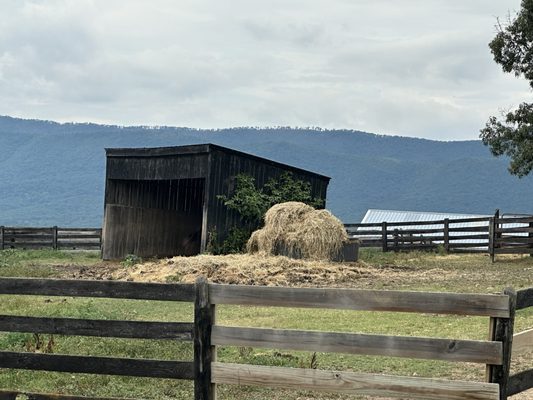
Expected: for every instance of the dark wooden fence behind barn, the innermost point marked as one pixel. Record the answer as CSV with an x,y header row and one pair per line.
x,y
56,238
206,371
493,235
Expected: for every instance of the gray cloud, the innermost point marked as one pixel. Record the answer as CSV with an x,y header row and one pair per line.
x,y
415,67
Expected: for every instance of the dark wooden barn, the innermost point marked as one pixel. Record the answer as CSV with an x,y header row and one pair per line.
x,y
163,201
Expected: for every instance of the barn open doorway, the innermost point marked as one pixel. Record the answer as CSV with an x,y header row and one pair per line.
x,y
153,217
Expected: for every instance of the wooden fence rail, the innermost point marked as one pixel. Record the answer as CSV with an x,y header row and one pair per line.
x,y
206,334
522,344
182,331
452,235
56,238
493,235
492,353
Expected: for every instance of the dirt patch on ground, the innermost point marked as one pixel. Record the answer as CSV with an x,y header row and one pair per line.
x,y
100,271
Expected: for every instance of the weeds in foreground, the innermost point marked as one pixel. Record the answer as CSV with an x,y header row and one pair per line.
x,y
130,260
38,344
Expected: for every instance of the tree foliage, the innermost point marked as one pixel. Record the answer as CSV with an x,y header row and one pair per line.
x,y
247,200
512,48
251,203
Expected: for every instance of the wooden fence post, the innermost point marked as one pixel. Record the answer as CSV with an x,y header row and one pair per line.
x,y
501,330
447,235
396,234
530,235
492,237
497,235
384,243
54,237
2,230
203,351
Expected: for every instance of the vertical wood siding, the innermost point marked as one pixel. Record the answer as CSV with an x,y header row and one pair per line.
x,y
150,191
225,166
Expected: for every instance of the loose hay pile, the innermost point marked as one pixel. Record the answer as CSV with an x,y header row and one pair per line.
x,y
299,231
247,269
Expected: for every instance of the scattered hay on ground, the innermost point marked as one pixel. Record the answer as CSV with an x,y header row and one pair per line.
x,y
247,269
298,230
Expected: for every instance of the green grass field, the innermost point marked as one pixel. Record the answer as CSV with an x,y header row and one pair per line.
x,y
412,271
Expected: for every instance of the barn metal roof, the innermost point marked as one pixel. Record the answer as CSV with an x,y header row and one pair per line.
x,y
373,216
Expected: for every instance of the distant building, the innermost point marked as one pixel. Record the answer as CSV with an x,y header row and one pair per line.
x,y
163,201
460,229
373,216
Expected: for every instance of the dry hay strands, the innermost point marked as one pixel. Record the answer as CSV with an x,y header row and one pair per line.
x,y
299,231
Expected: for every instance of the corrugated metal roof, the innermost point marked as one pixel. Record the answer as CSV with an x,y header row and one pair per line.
x,y
374,216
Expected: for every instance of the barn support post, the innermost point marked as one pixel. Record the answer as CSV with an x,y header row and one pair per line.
x,y
492,237
2,231
447,235
384,243
204,314
501,330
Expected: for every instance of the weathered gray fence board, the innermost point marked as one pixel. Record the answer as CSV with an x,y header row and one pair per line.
x,y
352,383
484,352
355,299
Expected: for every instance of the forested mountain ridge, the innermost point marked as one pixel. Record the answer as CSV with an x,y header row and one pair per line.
x,y
53,174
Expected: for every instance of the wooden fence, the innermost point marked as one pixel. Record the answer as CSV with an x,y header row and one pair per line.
x,y
53,238
99,328
493,235
207,372
522,344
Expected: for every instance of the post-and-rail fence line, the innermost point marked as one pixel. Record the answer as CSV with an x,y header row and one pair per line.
x,y
493,235
206,334
54,237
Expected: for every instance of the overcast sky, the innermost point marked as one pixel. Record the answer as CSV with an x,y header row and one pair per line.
x,y
404,67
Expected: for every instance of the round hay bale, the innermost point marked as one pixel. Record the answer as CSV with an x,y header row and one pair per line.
x,y
281,215
297,230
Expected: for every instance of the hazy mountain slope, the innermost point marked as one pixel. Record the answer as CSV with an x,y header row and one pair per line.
x,y
54,173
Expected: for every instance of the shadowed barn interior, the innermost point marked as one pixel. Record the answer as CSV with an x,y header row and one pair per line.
x,y
163,201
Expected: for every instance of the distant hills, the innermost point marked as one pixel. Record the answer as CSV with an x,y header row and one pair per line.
x,y
53,174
